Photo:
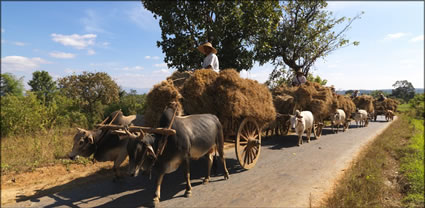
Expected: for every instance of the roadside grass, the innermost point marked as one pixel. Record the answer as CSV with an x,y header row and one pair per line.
x,y
373,179
412,166
25,153
403,107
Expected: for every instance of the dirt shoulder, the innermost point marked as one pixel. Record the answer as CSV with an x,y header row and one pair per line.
x,y
17,187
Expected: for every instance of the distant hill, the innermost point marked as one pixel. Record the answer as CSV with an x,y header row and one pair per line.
x,y
389,91
138,90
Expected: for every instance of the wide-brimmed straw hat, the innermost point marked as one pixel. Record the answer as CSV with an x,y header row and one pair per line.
x,y
207,44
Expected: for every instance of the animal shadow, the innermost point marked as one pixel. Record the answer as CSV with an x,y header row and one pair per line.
x,y
99,186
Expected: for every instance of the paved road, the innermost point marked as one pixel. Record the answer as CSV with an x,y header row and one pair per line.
x,y
285,176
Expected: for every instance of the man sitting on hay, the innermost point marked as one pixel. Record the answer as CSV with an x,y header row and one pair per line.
x,y
299,79
211,60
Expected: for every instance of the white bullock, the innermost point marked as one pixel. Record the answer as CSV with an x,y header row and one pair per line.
x,y
360,116
338,119
302,121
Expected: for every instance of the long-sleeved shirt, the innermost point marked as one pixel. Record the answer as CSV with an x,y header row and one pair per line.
x,y
212,60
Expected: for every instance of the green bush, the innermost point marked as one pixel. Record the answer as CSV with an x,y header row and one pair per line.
x,y
22,114
27,114
417,105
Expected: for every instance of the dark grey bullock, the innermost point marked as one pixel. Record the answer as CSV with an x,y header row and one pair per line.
x,y
102,143
196,136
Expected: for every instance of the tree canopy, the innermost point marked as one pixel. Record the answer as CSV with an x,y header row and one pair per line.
x,y
403,90
231,26
43,85
11,85
91,90
282,76
305,33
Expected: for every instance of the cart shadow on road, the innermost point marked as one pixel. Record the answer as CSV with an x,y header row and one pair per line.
x,y
140,189
277,142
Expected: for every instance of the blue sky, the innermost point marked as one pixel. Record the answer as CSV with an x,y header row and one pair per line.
x,y
120,38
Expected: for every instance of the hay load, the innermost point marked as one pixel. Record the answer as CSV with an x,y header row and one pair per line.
x,y
316,98
283,99
160,96
197,92
224,94
179,78
346,104
310,96
387,104
236,98
364,102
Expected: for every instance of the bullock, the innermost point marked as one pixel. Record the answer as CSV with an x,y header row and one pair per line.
x,y
360,116
102,144
338,119
196,135
302,121
389,115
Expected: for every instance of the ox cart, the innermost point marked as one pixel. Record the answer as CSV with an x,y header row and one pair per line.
x,y
245,133
382,106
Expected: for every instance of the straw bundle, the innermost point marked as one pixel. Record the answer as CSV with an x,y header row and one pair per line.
x,y
364,102
160,96
346,104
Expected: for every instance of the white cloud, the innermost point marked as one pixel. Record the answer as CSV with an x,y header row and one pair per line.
x,y
17,43
143,18
21,63
61,55
91,52
152,57
395,36
134,68
92,22
2,30
417,38
75,40
160,65
162,71
105,44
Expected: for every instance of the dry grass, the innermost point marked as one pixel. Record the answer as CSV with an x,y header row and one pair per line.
x,y
374,179
25,153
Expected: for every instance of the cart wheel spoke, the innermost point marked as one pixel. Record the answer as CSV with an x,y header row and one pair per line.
x,y
247,152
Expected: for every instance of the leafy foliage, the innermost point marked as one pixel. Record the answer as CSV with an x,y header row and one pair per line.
x,y
305,33
9,84
281,75
92,91
231,27
317,79
43,85
26,114
375,94
129,103
403,90
417,106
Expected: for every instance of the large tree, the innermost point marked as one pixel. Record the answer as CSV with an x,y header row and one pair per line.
x,y
403,90
91,90
43,85
11,85
231,26
306,32
283,76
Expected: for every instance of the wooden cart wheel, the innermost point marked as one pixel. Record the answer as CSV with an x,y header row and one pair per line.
x,y
248,143
318,126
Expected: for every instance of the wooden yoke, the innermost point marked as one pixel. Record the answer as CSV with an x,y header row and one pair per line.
x,y
164,140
